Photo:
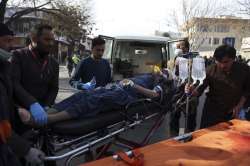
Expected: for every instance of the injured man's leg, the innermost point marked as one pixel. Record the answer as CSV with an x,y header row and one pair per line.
x,y
53,116
81,105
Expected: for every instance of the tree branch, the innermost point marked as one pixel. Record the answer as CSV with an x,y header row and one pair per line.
x,y
26,11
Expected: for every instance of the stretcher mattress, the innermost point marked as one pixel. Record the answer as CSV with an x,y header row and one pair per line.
x,y
83,126
225,144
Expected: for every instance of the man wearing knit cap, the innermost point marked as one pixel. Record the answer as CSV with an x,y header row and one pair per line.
x,y
11,145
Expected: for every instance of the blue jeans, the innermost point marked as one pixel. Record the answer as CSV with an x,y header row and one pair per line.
x,y
90,103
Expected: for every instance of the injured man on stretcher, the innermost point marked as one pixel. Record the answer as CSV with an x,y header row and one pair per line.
x,y
113,96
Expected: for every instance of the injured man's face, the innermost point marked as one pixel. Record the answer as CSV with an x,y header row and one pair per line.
x,y
164,75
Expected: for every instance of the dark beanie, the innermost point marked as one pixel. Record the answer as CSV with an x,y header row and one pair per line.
x,y
4,30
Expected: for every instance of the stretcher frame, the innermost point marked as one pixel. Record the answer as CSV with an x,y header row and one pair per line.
x,y
95,144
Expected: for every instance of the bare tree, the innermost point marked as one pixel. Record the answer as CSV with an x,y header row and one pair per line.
x,y
70,21
191,20
245,6
22,7
19,13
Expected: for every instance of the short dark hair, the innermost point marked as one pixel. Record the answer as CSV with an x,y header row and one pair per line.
x,y
38,29
186,43
224,51
97,41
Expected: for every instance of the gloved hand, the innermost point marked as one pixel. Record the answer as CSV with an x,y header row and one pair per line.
x,y
242,114
88,86
34,156
39,115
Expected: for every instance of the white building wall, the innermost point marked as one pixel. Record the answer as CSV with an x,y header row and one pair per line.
x,y
203,40
245,48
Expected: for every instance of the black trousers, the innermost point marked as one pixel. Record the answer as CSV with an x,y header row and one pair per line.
x,y
7,157
191,118
174,123
26,132
214,113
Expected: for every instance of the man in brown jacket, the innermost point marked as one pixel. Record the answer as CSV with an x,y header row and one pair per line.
x,y
229,87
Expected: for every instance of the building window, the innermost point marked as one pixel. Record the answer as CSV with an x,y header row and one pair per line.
x,y
229,41
26,27
209,40
216,41
19,26
221,28
203,28
205,41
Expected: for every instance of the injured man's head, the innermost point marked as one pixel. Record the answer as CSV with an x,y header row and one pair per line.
x,y
165,73
164,76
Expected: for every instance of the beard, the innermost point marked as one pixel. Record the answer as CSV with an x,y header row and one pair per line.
x,y
42,52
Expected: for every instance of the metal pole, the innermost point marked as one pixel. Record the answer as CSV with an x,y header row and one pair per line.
x,y
188,97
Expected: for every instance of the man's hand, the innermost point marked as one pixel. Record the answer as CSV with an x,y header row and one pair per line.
x,y
34,156
238,107
39,115
190,90
242,114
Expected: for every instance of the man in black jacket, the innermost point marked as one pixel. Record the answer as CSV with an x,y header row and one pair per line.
x,y
9,141
36,73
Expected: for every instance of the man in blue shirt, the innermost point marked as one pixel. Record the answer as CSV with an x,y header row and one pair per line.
x,y
92,67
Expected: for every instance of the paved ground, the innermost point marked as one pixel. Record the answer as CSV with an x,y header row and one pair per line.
x,y
135,134
65,89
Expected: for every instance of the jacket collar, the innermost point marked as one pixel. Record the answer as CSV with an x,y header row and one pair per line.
x,y
4,55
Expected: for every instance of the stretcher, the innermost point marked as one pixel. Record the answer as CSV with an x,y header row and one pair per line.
x,y
225,144
94,135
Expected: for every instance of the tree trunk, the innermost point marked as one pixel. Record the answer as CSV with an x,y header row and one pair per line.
x,y
3,4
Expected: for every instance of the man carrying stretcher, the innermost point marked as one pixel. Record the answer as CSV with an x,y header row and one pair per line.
x,y
113,96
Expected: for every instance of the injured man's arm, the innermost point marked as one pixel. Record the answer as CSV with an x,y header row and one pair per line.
x,y
140,89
